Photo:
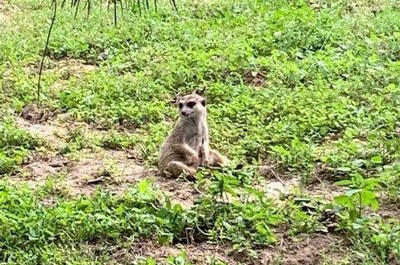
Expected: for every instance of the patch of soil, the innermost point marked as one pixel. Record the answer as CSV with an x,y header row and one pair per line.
x,y
32,113
179,191
389,211
323,172
372,6
39,170
254,78
276,183
50,132
6,11
64,67
309,250
325,190
318,4
314,249
72,67
202,253
271,171
274,189
111,169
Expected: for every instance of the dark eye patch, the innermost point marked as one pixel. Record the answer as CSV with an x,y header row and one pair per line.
x,y
180,105
191,104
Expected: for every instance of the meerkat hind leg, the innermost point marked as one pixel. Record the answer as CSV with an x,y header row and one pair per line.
x,y
176,168
216,159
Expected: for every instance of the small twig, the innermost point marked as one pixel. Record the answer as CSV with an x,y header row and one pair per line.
x,y
96,180
197,189
317,178
277,177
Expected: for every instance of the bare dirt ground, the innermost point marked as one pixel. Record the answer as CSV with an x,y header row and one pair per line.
x,y
84,172
7,10
198,253
308,250
314,249
117,169
3,12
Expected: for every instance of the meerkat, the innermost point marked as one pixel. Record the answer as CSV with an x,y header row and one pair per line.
x,y
187,146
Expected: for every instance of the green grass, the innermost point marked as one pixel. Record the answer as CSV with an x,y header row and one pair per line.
x,y
313,91
15,145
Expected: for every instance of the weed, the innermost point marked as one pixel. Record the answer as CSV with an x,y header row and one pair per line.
x,y
362,193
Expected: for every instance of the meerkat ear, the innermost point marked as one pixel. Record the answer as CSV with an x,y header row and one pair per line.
x,y
176,99
199,92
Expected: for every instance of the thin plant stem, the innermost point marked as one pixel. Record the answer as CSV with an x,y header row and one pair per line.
x,y
53,19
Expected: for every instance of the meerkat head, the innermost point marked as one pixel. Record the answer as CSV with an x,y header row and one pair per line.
x,y
192,106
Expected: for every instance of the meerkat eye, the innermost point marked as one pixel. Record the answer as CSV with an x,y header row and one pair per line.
x,y
191,104
203,102
180,105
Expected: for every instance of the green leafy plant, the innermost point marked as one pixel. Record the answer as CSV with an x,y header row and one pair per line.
x,y
15,145
180,259
362,193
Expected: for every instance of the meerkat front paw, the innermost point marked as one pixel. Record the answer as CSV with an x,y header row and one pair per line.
x,y
192,160
204,157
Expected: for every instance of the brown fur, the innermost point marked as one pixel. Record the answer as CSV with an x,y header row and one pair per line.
x,y
187,146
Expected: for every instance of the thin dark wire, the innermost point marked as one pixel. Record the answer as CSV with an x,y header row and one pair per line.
x,y
155,5
89,3
139,6
77,8
147,5
86,4
115,12
53,19
174,4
